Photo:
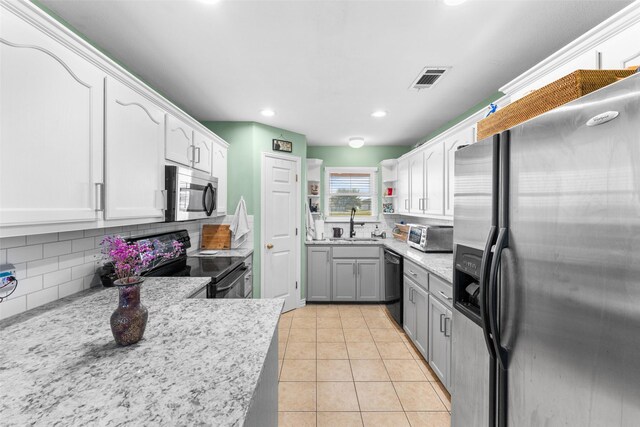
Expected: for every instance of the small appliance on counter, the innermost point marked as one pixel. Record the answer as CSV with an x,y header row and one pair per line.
x,y
190,194
337,232
431,238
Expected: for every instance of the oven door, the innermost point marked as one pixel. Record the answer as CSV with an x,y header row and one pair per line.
x,y
231,286
192,195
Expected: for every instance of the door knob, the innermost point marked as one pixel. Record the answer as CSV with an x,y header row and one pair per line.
x,y
269,246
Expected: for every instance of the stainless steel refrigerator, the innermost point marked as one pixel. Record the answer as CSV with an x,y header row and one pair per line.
x,y
546,322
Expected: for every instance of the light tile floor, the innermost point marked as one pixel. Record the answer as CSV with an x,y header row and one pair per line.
x,y
351,365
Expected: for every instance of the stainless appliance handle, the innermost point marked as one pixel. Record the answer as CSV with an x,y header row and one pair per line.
x,y
501,244
445,296
441,316
234,280
484,300
208,209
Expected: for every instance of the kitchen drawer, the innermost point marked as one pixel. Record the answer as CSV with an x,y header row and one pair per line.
x,y
441,289
416,273
248,262
356,252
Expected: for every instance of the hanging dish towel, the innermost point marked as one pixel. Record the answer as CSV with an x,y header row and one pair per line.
x,y
240,222
311,231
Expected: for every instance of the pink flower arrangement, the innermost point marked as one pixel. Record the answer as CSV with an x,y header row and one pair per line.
x,y
132,260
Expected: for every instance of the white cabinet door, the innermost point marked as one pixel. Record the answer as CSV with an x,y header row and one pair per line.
x,y
621,50
416,182
202,153
451,144
403,185
433,203
219,170
134,155
51,128
178,145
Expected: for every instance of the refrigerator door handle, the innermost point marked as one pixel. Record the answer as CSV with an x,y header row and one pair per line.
x,y
484,294
501,244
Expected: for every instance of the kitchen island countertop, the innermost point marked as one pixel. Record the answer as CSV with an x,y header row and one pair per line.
x,y
440,264
199,361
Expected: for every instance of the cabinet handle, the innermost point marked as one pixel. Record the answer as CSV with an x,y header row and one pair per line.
x,y
412,297
445,296
441,317
445,327
327,256
354,268
198,149
406,203
99,196
412,273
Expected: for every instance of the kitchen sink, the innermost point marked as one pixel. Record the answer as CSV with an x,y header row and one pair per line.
x,y
353,239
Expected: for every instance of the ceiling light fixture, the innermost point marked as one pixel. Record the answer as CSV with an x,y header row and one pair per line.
x,y
267,112
453,2
356,142
379,114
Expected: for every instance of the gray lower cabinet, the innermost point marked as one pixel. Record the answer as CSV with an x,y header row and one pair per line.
x,y
440,340
420,299
416,314
368,280
319,273
263,410
344,279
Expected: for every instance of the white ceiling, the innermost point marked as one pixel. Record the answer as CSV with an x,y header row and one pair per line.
x,y
324,66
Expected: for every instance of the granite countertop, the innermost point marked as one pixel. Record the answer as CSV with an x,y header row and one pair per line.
x,y
198,363
440,264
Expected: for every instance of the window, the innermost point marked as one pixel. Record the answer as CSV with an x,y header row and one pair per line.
x,y
346,188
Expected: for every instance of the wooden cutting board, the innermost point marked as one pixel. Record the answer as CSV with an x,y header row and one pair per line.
x,y
215,237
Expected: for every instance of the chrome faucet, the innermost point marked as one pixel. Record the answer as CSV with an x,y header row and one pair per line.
x,y
352,232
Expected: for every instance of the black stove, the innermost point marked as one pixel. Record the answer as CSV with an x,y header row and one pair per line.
x,y
226,273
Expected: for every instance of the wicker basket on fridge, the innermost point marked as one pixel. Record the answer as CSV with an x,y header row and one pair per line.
x,y
566,89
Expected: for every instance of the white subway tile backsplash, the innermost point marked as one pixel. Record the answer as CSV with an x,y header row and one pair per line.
x,y
70,235
94,232
42,238
12,306
91,281
92,255
3,256
42,297
83,270
21,270
24,253
71,260
70,288
57,248
12,242
56,277
27,286
42,266
79,245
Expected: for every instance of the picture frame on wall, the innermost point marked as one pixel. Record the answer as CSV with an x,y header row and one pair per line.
x,y
282,145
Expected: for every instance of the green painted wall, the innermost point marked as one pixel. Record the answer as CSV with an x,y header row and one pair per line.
x,y
247,141
345,156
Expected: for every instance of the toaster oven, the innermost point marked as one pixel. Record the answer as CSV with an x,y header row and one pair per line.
x,y
431,238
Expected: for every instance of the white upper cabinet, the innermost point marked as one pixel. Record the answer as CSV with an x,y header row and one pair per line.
x,y
51,126
622,50
403,185
134,161
433,202
416,182
219,170
451,144
178,144
202,152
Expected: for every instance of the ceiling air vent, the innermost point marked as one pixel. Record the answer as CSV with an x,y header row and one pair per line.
x,y
428,77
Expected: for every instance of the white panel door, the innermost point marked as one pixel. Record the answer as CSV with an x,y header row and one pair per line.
x,y
280,245
451,144
178,145
134,154
433,203
416,185
202,154
219,170
51,128
403,185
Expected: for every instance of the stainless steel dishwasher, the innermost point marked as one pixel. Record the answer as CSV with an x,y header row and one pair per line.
x,y
393,284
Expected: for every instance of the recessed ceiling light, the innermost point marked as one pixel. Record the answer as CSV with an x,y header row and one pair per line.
x,y
356,142
379,114
267,112
453,2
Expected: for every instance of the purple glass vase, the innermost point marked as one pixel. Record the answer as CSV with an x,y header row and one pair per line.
x,y
129,320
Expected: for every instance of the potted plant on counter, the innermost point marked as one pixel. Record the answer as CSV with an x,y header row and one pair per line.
x,y
130,262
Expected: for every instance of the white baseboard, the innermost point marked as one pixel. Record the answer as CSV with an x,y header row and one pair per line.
x,y
302,303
